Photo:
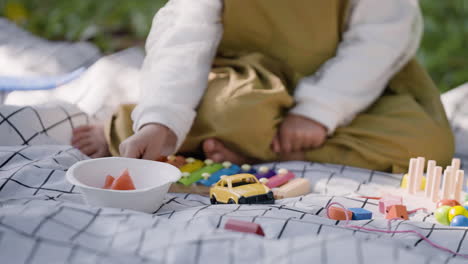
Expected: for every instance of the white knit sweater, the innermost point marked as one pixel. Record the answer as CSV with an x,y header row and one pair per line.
x,y
382,36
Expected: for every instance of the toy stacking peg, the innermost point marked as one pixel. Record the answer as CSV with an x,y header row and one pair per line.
x,y
436,184
430,177
185,174
451,180
460,178
419,172
456,164
411,176
446,185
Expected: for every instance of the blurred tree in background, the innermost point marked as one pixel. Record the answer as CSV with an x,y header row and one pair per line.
x,y
116,24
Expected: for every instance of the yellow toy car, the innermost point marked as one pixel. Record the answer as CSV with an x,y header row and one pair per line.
x,y
241,189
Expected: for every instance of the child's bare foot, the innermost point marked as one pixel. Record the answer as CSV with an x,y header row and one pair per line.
x,y
216,151
91,141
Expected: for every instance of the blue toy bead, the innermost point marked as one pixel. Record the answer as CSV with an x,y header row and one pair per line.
x,y
361,213
459,220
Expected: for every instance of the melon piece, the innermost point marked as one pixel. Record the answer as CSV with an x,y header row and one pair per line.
x,y
108,182
124,182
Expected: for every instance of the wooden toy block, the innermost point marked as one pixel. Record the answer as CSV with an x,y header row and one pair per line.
x,y
338,213
397,211
387,201
281,178
412,175
265,172
459,180
227,170
293,188
436,184
360,213
430,174
197,175
244,227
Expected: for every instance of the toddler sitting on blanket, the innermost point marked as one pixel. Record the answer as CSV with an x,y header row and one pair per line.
x,y
261,80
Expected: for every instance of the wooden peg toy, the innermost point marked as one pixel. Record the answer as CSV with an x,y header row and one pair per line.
x,y
436,184
430,175
451,182
412,175
446,185
421,162
456,163
459,180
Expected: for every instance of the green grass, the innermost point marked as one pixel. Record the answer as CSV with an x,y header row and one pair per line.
x,y
116,24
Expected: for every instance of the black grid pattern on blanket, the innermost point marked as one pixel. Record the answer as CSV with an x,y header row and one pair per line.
x,y
43,220
39,125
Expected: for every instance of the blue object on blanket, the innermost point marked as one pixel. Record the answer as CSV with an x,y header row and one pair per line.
x,y
10,84
459,220
361,213
215,177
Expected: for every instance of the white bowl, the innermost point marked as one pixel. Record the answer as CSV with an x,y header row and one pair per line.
x,y
152,180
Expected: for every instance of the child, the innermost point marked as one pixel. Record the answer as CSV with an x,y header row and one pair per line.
x,y
260,80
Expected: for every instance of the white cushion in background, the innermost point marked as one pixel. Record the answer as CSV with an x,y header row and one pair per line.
x,y
39,125
456,106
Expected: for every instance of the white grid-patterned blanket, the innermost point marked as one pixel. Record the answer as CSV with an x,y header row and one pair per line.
x,y
43,218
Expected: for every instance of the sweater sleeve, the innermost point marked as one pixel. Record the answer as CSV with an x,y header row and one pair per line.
x,y
180,50
381,37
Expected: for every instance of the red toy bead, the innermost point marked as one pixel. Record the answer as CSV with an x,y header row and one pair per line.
x,y
447,202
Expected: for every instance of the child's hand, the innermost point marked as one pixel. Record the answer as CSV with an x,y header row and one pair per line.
x,y
298,133
151,142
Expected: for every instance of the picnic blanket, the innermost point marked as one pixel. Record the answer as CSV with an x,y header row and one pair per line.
x,y
43,219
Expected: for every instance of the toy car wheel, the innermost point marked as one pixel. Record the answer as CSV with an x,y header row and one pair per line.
x,y
213,200
231,201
